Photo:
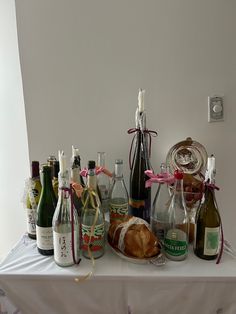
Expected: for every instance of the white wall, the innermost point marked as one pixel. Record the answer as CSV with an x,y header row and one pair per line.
x,y
83,62
14,160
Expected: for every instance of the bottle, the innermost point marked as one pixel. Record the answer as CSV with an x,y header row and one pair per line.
x,y
93,222
140,196
208,221
33,196
118,199
50,161
104,183
55,170
161,204
176,237
45,212
65,222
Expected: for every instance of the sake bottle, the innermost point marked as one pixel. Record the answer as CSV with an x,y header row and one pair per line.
x,y
65,221
160,213
140,196
93,222
118,199
45,212
208,221
176,237
33,195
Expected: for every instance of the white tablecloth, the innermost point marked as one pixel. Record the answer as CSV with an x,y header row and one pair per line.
x,y
35,284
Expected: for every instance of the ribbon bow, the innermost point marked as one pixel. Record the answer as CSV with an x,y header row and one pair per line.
x,y
98,170
158,178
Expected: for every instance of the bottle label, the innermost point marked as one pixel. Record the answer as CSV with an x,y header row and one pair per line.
x,y
44,238
94,239
175,243
118,211
136,203
31,226
62,243
211,241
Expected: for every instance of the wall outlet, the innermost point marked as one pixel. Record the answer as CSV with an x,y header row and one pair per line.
x,y
215,108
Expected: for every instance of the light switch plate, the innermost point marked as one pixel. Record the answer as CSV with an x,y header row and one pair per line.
x,y
215,108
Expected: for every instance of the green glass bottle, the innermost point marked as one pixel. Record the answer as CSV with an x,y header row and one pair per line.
x,y
208,221
45,212
92,221
33,196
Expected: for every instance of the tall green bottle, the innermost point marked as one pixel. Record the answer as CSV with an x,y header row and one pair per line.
x,y
208,221
45,212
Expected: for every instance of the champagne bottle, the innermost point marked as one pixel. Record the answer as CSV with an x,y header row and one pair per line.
x,y
104,183
33,196
161,204
55,170
45,212
93,222
140,197
118,200
208,221
65,221
176,237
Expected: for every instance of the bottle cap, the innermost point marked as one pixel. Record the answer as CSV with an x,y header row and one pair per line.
x,y
178,175
119,161
91,164
35,169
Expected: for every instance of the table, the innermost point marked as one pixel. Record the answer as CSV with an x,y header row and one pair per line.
x,y
35,284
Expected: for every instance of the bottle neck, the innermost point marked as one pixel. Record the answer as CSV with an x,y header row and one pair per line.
x,y
101,159
92,179
118,171
46,180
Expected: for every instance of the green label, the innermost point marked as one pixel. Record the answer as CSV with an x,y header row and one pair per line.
x,y
175,243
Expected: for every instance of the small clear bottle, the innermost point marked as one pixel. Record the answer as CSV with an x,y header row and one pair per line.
x,y
92,221
104,182
161,204
65,235
176,237
118,200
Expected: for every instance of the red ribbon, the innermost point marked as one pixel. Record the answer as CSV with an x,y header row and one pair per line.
x,y
146,131
158,178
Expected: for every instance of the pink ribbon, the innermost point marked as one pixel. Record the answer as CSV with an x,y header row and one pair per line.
x,y
158,178
98,170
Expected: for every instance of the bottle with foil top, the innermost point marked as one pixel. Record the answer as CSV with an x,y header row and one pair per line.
x,y
45,212
160,213
104,181
92,221
176,237
65,221
140,196
33,196
118,200
208,220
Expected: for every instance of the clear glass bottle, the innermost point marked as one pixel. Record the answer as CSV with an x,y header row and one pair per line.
x,y
118,200
65,231
45,211
92,221
208,221
32,201
104,182
161,204
176,237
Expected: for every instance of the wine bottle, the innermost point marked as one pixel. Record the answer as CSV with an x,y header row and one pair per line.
x,y
140,197
65,221
45,212
208,221
50,161
176,237
161,204
93,222
33,196
55,170
104,183
118,199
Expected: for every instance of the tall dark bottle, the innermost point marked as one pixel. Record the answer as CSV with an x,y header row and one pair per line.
x,y
45,212
208,221
140,196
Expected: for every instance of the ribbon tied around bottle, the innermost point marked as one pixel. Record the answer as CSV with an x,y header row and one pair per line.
x,y
158,178
98,170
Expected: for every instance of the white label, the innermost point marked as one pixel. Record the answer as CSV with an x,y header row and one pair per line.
x,y
31,226
44,238
211,241
63,247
